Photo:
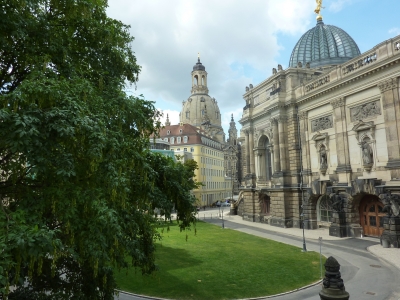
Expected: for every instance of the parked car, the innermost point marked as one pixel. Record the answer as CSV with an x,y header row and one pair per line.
x,y
216,204
225,204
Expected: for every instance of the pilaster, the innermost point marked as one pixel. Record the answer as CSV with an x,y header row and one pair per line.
x,y
391,112
342,144
306,159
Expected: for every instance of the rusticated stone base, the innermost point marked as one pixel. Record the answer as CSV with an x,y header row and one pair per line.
x,y
338,230
283,223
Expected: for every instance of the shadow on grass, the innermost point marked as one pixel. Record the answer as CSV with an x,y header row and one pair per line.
x,y
168,279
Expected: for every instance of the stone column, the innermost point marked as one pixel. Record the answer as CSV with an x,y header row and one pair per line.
x,y
391,112
251,142
277,163
246,141
282,144
305,148
342,144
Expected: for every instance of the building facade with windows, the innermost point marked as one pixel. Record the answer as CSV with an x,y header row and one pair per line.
x,y
321,139
202,111
208,152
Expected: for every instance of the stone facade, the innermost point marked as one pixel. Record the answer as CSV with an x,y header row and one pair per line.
x,y
313,136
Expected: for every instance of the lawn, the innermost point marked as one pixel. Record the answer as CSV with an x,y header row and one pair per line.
x,y
221,263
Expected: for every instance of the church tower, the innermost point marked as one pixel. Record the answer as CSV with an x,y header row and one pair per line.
x,y
200,109
232,133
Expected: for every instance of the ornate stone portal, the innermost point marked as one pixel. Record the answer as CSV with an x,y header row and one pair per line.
x,y
391,223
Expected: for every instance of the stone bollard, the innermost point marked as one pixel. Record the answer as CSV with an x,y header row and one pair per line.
x,y
333,287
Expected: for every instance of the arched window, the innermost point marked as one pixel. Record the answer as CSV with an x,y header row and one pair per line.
x,y
187,115
178,139
172,140
203,80
324,209
185,139
196,80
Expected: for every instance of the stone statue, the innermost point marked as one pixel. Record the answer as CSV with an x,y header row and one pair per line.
x,y
367,156
338,202
274,71
319,6
323,158
280,67
391,204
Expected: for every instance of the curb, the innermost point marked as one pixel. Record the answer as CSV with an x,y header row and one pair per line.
x,y
257,298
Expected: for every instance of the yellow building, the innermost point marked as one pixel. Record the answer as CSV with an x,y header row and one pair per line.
x,y
208,152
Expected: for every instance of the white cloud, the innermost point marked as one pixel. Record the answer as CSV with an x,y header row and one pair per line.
x,y
236,40
173,116
394,31
338,5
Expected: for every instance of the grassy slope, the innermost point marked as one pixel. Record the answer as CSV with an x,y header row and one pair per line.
x,y
222,264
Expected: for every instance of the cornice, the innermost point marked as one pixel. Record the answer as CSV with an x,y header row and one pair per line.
x,y
349,88
334,85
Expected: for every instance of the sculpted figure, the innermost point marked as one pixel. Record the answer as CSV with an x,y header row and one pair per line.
x,y
319,5
367,154
391,204
323,158
338,202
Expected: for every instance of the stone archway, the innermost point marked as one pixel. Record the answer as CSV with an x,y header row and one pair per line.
x,y
240,207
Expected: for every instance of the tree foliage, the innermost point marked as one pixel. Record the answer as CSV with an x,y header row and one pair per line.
x,y
78,185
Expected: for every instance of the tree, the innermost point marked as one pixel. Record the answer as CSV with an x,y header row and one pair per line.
x,y
78,185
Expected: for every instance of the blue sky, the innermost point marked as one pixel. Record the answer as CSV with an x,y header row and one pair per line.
x,y
239,41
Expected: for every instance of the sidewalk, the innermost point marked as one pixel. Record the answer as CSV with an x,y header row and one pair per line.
x,y
391,255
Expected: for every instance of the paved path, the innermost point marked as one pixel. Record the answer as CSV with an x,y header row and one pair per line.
x,y
368,270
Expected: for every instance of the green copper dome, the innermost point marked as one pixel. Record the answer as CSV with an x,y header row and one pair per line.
x,y
324,45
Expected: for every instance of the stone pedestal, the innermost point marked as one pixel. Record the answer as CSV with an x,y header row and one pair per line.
x,y
332,285
391,233
338,227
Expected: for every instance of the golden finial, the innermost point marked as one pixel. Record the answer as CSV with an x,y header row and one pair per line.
x,y
198,54
317,10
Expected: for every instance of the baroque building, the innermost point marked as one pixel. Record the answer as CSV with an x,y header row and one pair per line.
x,y
209,155
202,111
321,139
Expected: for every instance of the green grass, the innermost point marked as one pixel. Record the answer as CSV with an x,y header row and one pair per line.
x,y
221,263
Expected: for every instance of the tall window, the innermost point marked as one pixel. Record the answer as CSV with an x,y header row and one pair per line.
x,y
185,139
172,140
187,115
191,149
268,159
178,139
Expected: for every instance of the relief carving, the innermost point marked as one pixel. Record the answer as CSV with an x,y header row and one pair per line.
x,y
365,110
321,124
